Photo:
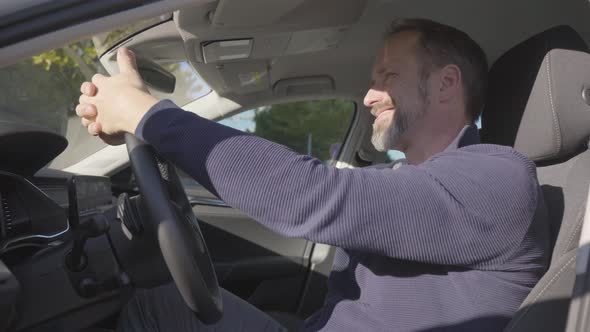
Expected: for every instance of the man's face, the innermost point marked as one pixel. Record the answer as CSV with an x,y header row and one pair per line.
x,y
397,97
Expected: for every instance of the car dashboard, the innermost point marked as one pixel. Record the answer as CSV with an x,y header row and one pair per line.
x,y
40,222
39,211
29,217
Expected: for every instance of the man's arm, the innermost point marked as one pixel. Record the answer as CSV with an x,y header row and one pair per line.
x,y
440,212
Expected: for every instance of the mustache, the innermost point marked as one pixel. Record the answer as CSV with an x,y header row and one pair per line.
x,y
376,110
381,106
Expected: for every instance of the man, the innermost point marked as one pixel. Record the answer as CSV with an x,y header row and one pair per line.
x,y
447,241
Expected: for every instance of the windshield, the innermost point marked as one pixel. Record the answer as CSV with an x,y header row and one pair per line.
x,y
43,90
189,85
104,41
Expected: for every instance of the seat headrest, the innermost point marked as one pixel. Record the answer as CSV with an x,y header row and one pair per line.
x,y
511,81
556,120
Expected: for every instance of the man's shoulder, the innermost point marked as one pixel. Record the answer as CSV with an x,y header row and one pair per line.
x,y
493,149
485,171
488,156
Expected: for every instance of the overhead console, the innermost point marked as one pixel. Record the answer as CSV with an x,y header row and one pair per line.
x,y
237,29
233,16
257,13
233,43
247,51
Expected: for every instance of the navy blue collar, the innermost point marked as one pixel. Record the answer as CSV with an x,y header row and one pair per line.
x,y
469,135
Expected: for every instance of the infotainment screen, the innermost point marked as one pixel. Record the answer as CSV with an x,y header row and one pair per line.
x,y
87,194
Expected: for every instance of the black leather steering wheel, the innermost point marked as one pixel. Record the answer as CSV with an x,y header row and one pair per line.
x,y
177,230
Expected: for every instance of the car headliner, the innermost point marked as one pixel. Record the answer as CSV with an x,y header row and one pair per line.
x,y
496,25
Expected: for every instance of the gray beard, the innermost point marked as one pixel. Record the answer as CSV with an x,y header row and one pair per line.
x,y
386,138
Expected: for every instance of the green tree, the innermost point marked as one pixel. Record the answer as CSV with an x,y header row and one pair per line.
x,y
44,89
323,122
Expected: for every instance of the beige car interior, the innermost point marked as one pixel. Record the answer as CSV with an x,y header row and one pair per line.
x,y
260,52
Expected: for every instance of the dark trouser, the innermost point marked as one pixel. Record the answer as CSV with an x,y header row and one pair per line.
x,y
163,309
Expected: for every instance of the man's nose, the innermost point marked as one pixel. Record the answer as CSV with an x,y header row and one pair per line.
x,y
372,97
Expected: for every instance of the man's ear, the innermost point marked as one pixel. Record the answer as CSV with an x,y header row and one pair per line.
x,y
451,83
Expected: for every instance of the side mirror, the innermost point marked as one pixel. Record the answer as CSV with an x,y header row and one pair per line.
x,y
156,76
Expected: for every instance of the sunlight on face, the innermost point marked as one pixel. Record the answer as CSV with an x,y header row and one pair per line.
x,y
394,96
384,132
389,126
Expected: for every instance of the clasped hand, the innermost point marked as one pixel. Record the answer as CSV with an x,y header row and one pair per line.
x,y
109,107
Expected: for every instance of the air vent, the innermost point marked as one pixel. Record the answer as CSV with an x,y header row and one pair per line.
x,y
7,214
16,221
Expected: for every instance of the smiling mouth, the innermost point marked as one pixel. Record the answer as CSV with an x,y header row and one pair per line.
x,y
381,113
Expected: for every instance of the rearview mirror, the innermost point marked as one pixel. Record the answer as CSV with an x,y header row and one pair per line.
x,y
156,76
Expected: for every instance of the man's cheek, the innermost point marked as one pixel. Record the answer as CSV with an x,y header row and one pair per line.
x,y
383,124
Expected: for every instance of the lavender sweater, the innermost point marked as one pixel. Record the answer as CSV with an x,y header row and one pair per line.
x,y
455,243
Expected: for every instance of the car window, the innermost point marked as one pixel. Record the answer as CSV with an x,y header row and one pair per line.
x,y
189,85
317,128
43,91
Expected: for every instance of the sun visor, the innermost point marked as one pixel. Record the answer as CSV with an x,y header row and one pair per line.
x,y
315,40
245,77
237,30
26,149
301,86
226,50
273,45
256,13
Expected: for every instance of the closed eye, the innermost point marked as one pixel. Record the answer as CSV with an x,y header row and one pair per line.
x,y
383,78
390,75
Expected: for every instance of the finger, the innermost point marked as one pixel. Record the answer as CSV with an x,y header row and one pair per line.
x,y
94,128
80,110
86,110
84,99
86,122
126,61
88,89
112,140
97,79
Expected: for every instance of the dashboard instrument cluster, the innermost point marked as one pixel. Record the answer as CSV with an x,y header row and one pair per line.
x,y
38,212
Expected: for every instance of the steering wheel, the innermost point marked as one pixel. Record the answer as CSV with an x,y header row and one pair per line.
x,y
178,233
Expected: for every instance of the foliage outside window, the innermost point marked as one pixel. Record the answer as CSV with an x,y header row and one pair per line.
x,y
43,91
317,128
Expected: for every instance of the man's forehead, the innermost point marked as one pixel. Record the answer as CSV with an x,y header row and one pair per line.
x,y
378,66
396,50
400,44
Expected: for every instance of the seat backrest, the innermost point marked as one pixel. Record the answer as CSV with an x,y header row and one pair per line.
x,y
544,115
